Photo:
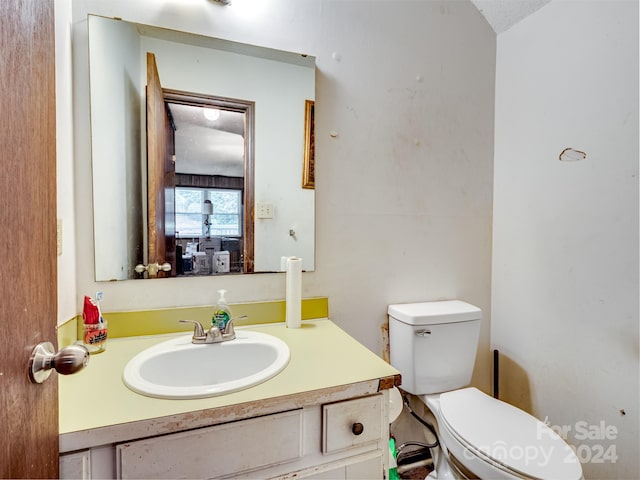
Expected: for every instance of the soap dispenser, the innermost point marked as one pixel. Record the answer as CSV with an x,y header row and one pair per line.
x,y
221,312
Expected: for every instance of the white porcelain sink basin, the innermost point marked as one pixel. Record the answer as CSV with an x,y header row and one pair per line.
x,y
180,369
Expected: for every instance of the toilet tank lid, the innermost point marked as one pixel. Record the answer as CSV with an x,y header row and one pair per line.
x,y
431,313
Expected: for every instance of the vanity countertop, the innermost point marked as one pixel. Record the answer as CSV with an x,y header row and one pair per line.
x,y
96,408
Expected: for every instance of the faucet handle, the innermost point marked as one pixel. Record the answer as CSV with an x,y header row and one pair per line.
x,y
228,329
198,329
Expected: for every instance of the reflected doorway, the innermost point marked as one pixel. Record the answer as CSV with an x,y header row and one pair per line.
x,y
214,183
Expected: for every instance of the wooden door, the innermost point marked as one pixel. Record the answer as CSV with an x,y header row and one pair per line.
x,y
28,298
161,173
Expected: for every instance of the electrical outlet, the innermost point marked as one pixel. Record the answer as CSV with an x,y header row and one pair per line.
x,y
264,210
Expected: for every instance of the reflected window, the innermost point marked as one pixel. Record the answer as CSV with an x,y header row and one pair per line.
x,y
192,222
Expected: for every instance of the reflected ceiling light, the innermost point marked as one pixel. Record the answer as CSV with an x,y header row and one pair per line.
x,y
211,113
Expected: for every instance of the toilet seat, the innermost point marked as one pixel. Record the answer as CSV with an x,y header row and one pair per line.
x,y
505,437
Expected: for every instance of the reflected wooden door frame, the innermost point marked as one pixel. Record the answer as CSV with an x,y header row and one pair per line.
x,y
248,108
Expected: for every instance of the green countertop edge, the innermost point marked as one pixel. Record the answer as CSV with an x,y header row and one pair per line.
x,y
153,322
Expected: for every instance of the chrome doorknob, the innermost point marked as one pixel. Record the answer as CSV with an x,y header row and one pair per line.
x,y
68,360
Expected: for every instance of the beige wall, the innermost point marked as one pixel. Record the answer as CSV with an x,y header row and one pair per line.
x,y
404,147
565,242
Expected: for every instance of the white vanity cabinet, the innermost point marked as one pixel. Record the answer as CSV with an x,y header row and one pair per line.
x,y
341,438
325,416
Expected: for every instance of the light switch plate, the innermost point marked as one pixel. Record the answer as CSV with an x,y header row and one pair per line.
x,y
59,237
264,210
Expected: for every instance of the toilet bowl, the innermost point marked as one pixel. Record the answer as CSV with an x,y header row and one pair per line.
x,y
433,345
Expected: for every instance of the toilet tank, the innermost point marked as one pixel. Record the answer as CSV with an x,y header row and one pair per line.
x,y
434,344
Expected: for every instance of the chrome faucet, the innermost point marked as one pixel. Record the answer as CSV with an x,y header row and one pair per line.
x,y
214,334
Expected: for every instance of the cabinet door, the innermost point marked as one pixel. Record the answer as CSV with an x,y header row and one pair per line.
x,y
368,469
76,465
214,452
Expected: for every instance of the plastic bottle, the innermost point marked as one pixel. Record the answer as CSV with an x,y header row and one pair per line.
x,y
221,312
393,465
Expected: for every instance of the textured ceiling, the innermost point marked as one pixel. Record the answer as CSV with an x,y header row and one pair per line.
x,y
503,14
205,146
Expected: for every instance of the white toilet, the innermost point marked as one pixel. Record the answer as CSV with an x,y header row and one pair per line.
x,y
433,345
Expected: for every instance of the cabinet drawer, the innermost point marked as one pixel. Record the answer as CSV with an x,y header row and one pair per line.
x,y
213,452
352,423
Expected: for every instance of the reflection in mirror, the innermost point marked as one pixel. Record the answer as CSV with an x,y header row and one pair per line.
x,y
213,183
211,205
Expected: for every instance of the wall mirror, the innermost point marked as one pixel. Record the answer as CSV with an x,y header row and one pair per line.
x,y
230,193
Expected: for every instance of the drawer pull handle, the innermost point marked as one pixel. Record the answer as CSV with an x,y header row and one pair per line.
x,y
357,428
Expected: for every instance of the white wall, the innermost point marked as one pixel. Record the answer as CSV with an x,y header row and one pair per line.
x,y
565,238
65,195
115,146
403,192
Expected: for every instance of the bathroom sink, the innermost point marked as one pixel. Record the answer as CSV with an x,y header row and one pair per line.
x,y
179,369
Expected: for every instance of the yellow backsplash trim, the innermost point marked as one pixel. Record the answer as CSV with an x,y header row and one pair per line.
x,y
153,322
68,332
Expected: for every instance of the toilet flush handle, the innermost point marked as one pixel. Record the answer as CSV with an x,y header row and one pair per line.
x,y
423,333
